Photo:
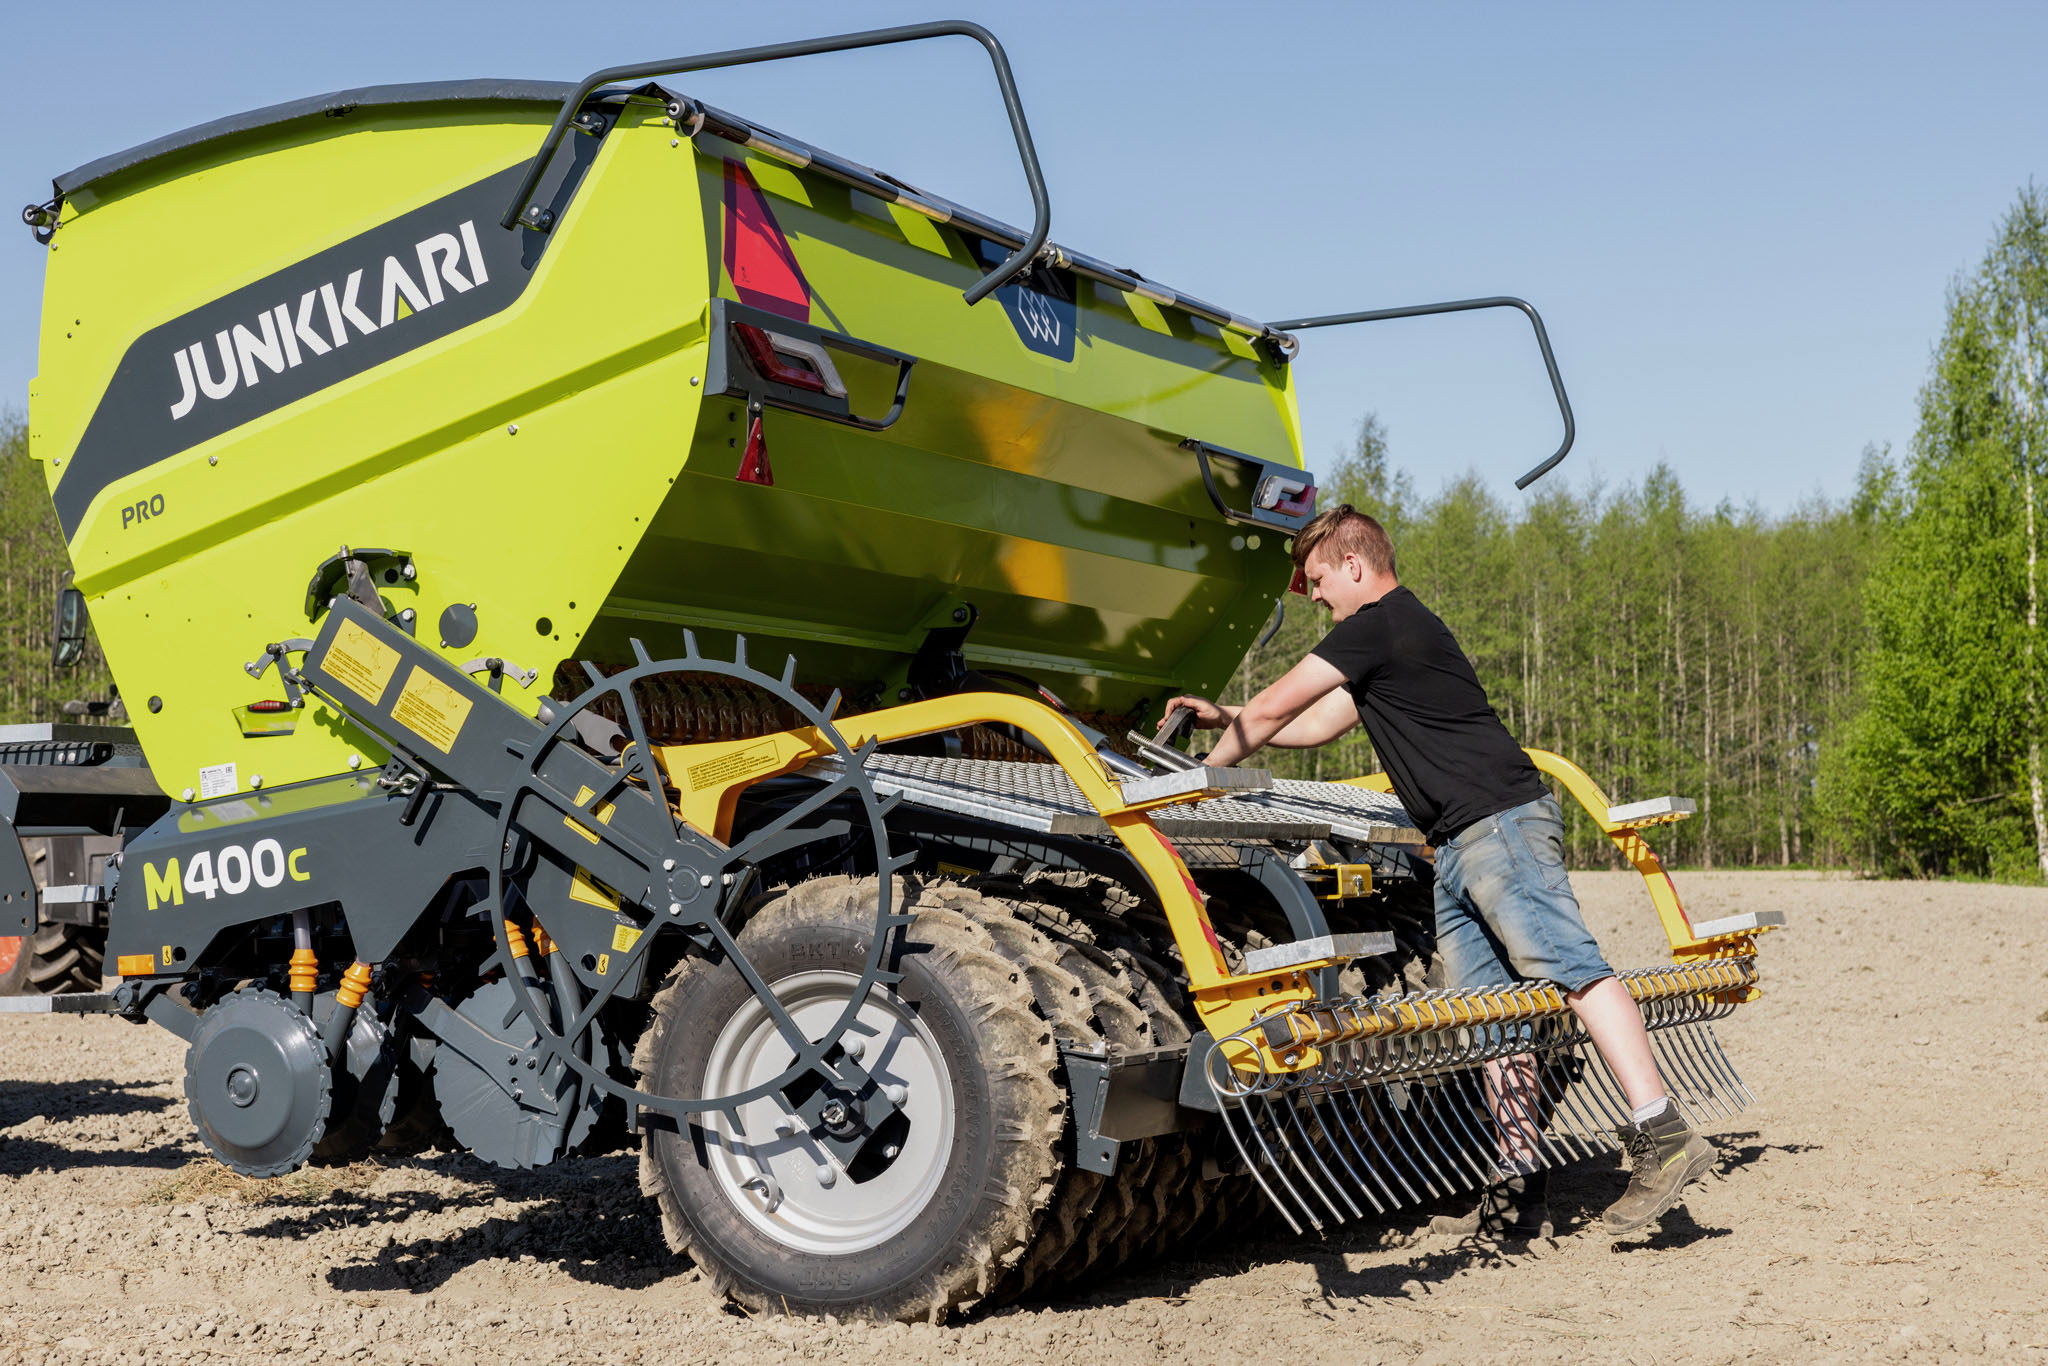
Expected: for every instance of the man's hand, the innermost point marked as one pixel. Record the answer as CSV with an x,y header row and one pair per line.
x,y
1208,715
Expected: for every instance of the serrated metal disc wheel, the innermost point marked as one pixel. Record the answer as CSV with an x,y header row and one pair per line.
x,y
257,1083
695,877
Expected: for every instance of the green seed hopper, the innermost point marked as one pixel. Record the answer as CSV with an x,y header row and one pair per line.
x,y
716,380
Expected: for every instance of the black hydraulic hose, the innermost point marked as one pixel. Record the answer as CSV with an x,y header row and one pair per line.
x,y
1041,206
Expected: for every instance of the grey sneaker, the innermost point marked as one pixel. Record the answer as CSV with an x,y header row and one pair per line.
x,y
1664,1154
1518,1207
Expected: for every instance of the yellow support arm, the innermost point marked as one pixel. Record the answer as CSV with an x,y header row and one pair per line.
x,y
709,778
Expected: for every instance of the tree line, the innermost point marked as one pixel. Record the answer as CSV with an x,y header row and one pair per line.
x,y
32,566
1855,682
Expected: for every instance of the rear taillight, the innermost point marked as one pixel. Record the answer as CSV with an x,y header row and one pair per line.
x,y
270,705
1299,583
776,364
1288,497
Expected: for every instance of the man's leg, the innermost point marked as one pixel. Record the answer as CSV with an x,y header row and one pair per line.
x,y
1516,1206
1614,1020
1538,920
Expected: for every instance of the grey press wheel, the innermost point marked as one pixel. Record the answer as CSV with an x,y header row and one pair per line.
x,y
951,1189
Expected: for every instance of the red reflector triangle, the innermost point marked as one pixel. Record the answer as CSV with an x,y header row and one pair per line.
x,y
763,269
754,467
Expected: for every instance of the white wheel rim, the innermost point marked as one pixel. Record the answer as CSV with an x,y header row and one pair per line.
x,y
774,1180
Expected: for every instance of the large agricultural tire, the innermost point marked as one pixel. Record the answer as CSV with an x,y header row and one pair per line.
x,y
50,958
938,1227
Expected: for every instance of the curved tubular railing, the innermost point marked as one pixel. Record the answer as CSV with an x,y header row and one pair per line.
x,y
1564,406
1012,266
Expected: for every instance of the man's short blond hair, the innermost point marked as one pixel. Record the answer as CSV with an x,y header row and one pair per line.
x,y
1341,531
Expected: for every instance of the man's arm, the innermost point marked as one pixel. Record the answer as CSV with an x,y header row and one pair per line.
x,y
1276,710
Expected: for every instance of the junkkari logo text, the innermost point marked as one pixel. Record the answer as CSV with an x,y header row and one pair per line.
x,y
283,339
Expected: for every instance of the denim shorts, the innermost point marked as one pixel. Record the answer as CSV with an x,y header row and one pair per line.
x,y
1504,906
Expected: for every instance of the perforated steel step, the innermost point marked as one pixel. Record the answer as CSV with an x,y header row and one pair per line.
x,y
1041,798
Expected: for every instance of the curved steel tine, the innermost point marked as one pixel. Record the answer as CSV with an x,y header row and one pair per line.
x,y
1372,1180
1561,1072
1563,1122
1424,1063
1416,1144
1403,1140
1309,1100
1464,1057
1574,1096
1247,1092
1251,1164
1676,1063
1366,1127
1682,1043
1354,1068
1700,1036
1286,1147
1463,1091
1726,1063
1291,1103
1515,1082
1477,1148
1607,1091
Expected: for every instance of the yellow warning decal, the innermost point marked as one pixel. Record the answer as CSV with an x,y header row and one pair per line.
x,y
624,937
731,766
360,662
431,709
604,964
135,964
587,889
604,815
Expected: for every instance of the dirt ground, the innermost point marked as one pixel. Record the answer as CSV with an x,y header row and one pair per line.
x,y
1882,1200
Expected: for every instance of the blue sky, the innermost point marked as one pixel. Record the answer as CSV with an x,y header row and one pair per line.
x,y
1738,220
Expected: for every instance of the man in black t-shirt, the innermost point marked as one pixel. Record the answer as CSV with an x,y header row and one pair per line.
x,y
1504,905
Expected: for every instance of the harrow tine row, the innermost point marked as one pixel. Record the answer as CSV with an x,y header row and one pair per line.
x,y
1423,1096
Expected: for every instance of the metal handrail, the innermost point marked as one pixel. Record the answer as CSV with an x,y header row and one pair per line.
x,y
1564,406
1012,266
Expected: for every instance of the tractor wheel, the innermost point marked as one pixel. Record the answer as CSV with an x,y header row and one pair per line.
x,y
55,958
50,958
933,1219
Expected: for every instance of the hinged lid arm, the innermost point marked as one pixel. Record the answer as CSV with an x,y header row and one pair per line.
x,y
1564,406
1012,266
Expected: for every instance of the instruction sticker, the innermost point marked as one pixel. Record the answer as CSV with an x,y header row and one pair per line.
x,y
431,709
216,780
624,937
604,815
360,662
732,766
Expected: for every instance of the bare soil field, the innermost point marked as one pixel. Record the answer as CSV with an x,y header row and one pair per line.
x,y
1887,1198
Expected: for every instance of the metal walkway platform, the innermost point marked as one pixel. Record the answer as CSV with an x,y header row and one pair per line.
x,y
1041,798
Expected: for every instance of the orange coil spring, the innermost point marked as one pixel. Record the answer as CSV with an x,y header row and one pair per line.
x,y
542,945
516,937
355,984
305,970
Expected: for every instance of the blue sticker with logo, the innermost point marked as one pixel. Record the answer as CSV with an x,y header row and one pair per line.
x,y
1043,310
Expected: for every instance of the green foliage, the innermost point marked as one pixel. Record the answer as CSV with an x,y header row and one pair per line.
x,y
32,563
1936,773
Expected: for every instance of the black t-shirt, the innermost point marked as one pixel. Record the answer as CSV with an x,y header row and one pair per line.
x,y
1451,759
